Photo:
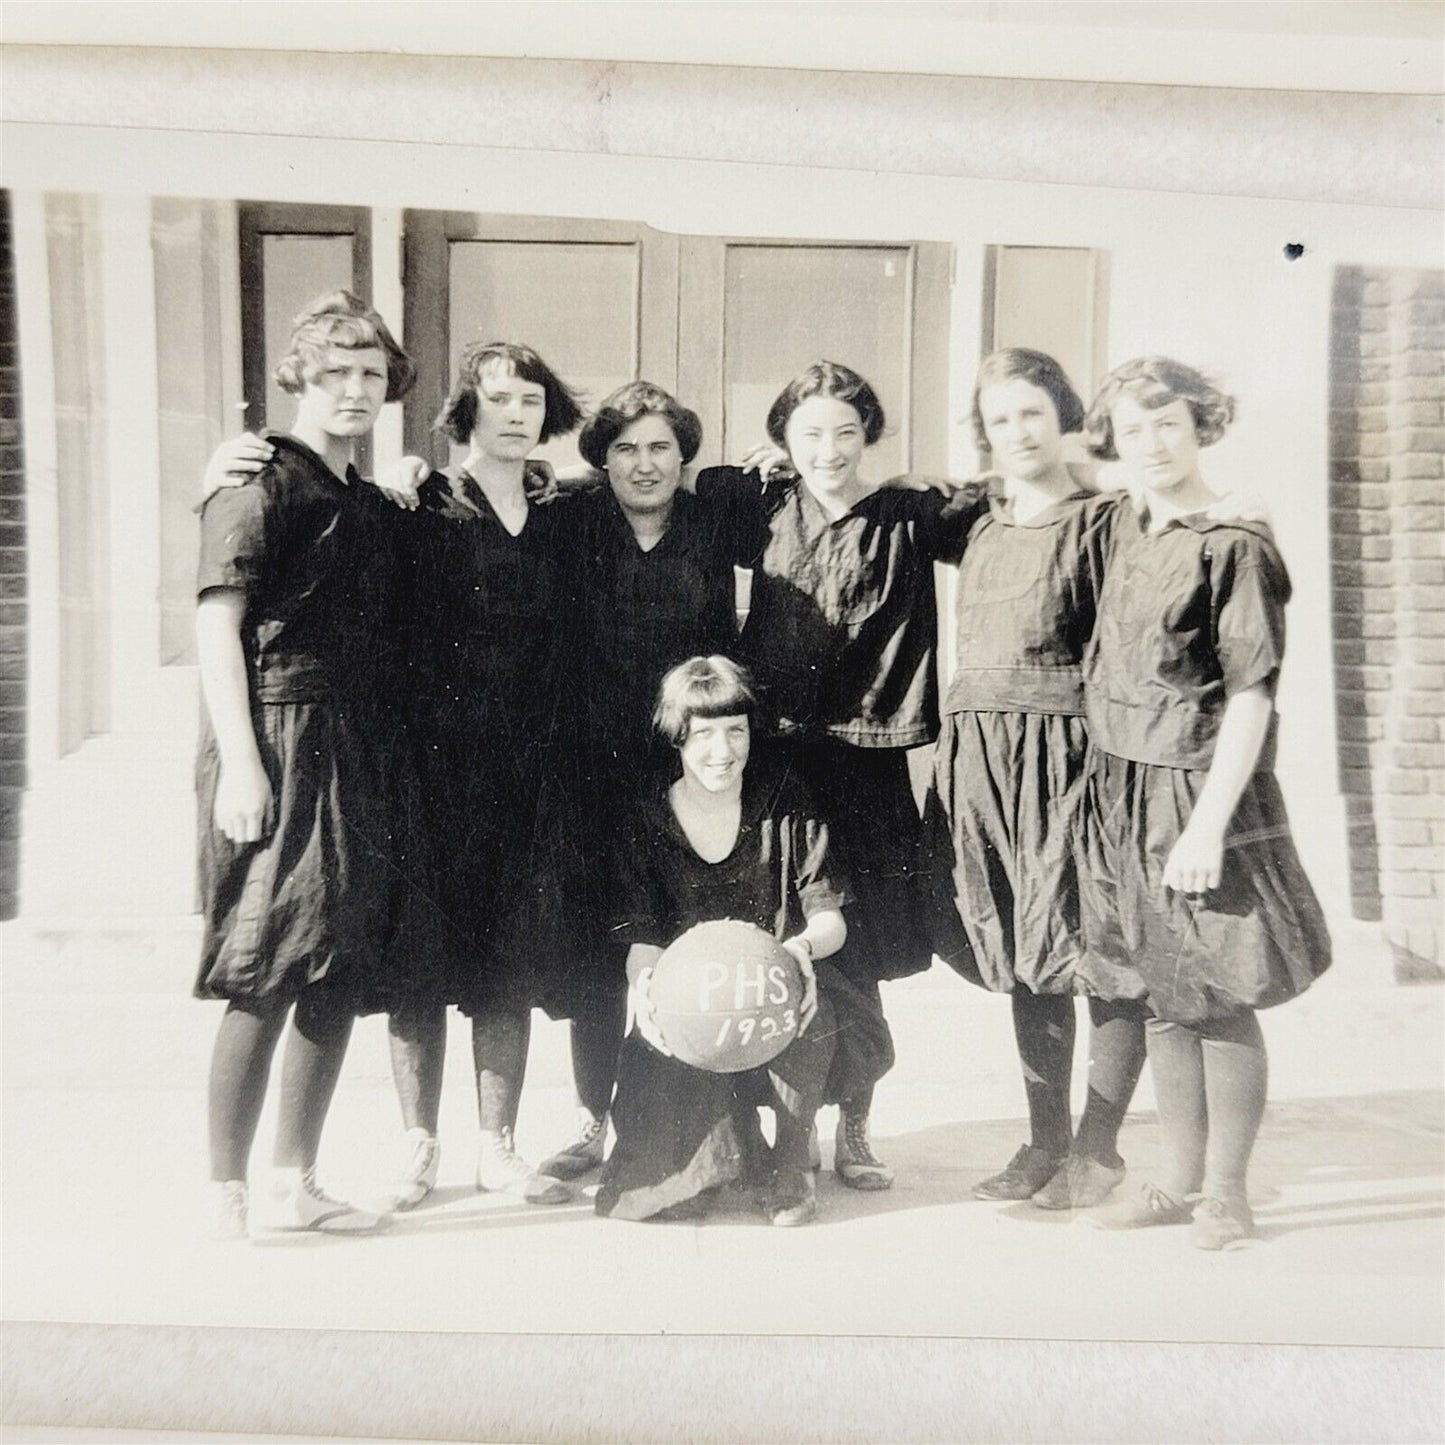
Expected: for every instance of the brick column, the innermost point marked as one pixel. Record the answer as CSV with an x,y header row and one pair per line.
x,y
1387,494
12,579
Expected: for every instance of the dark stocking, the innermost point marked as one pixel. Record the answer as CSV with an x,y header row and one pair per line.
x,y
596,1039
859,1104
315,1048
418,1039
240,1067
1044,1029
1116,1059
499,1052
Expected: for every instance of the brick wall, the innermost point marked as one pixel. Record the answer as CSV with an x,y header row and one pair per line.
x,y
12,580
1387,523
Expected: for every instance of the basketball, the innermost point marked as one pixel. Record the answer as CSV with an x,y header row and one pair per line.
x,y
727,996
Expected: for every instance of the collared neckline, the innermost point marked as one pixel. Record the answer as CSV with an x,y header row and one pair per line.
x,y
285,440
822,514
1000,508
1201,522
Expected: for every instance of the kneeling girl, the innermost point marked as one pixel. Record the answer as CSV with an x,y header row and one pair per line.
x,y
722,842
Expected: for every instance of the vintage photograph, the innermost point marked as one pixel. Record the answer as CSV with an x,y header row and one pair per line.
x,y
723,692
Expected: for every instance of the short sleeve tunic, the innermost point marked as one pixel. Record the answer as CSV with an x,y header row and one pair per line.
x,y
1003,815
314,900
1189,616
842,637
1026,600
843,626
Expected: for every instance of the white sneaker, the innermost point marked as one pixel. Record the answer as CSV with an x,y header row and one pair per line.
x,y
298,1202
419,1177
501,1171
853,1158
584,1153
228,1218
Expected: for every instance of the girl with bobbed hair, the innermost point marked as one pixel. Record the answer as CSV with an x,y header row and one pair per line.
x,y
493,606
654,572
342,319
1005,807
1192,895
1040,371
730,838
841,636
458,417
830,381
297,785
1153,382
630,404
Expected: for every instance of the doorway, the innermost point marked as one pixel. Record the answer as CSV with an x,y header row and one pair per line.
x,y
721,322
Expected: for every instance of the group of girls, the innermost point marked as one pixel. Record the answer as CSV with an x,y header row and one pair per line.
x,y
501,752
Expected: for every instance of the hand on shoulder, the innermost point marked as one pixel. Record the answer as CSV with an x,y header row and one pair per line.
x,y
234,463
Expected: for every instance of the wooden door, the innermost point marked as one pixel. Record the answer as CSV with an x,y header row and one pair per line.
x,y
756,312
596,299
290,255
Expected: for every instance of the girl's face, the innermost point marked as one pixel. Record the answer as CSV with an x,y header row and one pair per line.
x,y
1159,444
1022,427
715,752
510,413
825,441
344,392
644,466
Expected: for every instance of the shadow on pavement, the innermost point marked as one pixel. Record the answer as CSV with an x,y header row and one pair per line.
x,y
1313,1166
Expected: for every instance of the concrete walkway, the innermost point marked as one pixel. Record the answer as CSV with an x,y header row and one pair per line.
x,y
105,1209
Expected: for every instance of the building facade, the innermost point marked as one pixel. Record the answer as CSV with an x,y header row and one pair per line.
x,y
151,286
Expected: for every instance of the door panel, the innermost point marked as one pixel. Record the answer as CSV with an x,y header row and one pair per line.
x,y
576,305
290,255
755,313
596,299
297,270
1053,299
786,307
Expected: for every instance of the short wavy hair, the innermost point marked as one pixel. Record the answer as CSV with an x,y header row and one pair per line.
x,y
631,403
341,319
832,379
458,416
713,686
1018,363
1152,382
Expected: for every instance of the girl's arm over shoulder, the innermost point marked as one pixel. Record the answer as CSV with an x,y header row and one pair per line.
x,y
234,463
945,512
